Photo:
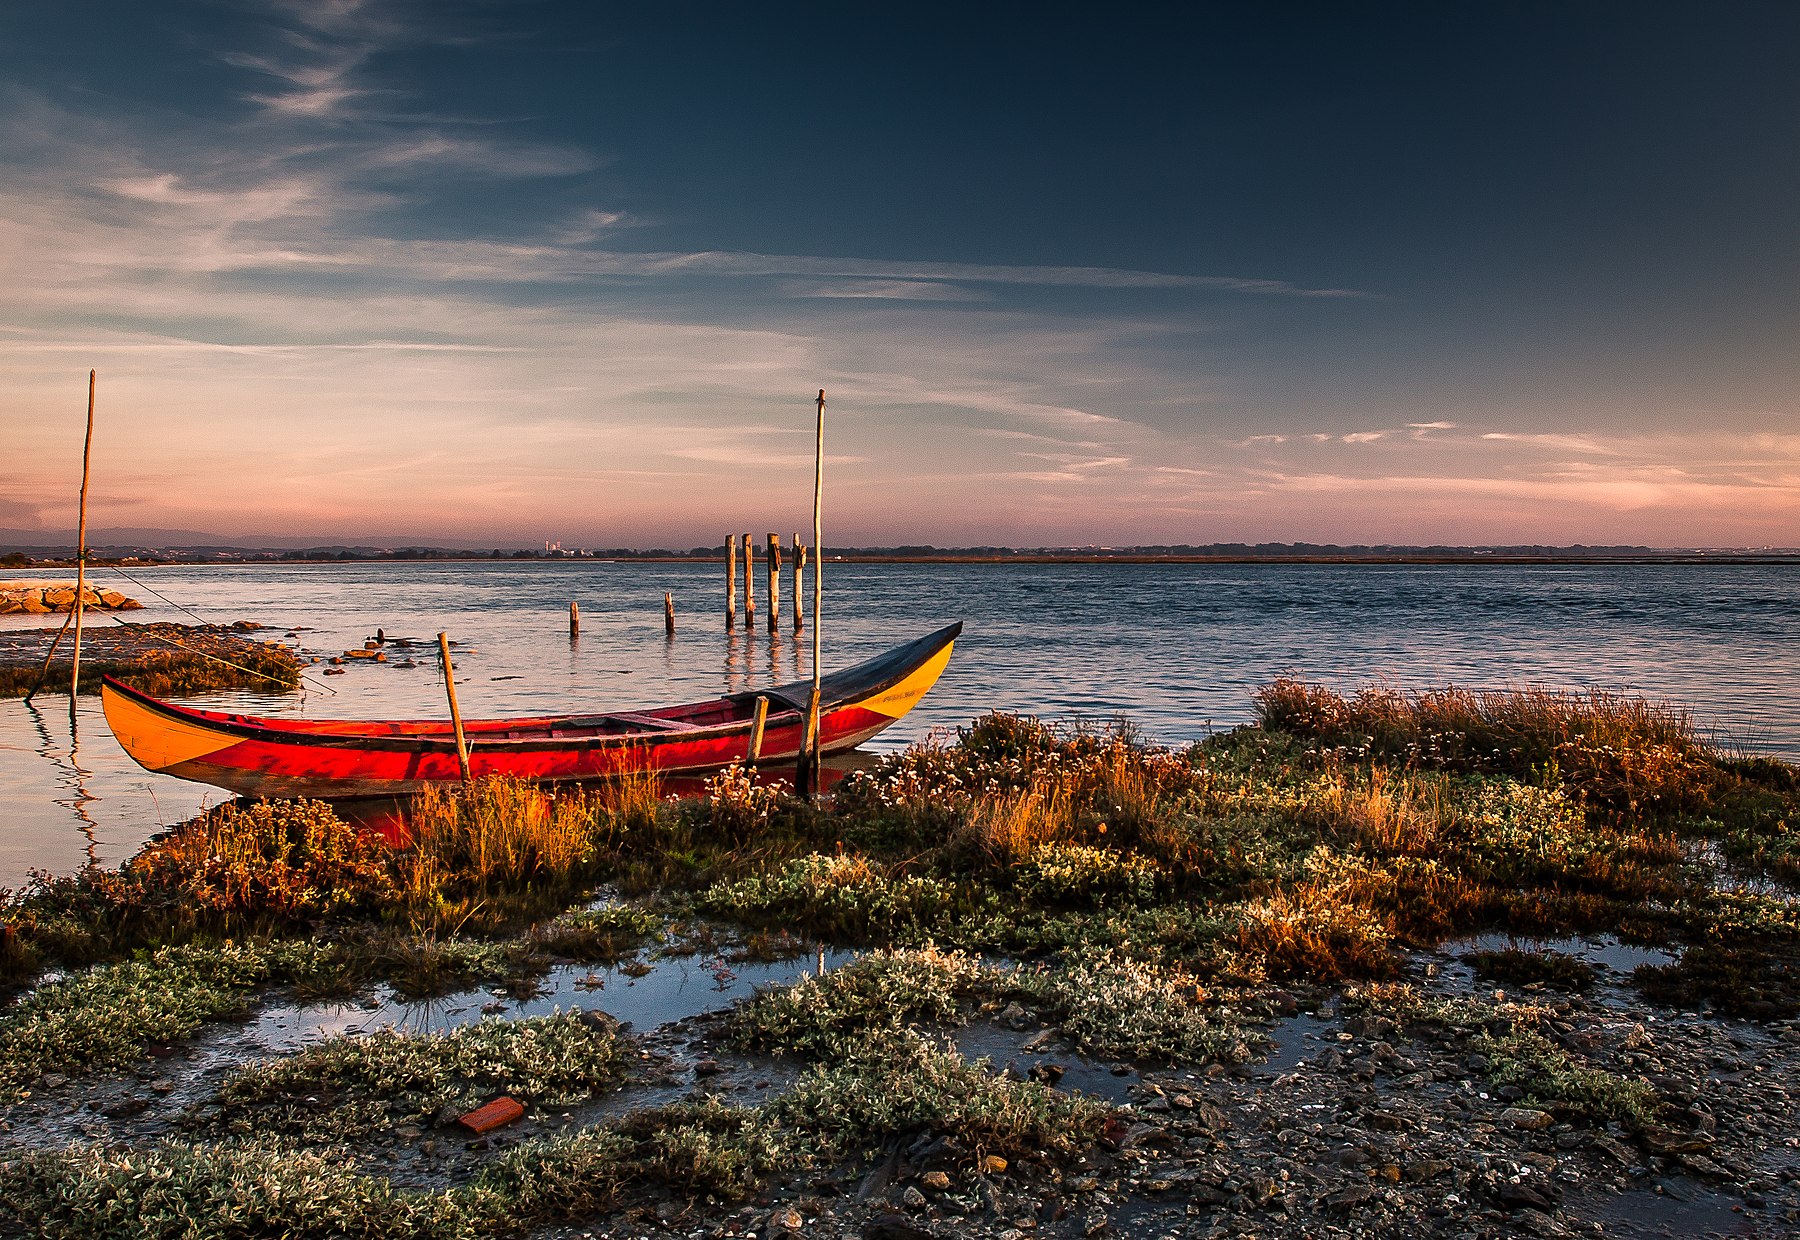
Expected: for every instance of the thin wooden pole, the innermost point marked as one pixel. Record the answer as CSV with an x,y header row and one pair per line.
x,y
774,582
749,582
574,620
669,613
87,447
810,781
799,582
462,745
730,582
756,729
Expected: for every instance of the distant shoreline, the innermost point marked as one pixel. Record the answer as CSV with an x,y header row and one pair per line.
x,y
1672,558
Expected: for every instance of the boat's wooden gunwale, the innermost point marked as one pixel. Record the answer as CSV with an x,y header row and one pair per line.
x,y
847,689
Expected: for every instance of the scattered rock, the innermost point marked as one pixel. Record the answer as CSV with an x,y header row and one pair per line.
x,y
1349,1198
786,1221
1529,1119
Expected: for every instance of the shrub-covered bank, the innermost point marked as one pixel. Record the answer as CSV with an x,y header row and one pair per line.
x,y
1091,897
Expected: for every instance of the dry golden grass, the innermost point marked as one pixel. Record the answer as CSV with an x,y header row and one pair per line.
x,y
1619,752
1383,813
1007,827
1313,931
502,833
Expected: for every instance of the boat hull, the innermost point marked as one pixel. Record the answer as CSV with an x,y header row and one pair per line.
x,y
262,757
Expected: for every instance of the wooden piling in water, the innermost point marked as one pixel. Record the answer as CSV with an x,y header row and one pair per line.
x,y
774,582
807,770
730,582
462,745
669,614
749,582
574,620
799,582
74,615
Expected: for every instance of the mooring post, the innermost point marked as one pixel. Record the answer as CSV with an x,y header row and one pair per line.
x,y
81,537
87,446
462,745
799,582
669,613
774,582
809,782
574,620
749,582
730,582
757,723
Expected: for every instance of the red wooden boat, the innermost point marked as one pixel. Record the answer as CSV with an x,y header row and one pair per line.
x,y
263,757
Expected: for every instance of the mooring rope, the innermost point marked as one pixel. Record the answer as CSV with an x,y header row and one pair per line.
x,y
165,598
216,659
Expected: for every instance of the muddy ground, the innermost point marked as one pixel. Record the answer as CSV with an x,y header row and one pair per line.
x,y
1345,1123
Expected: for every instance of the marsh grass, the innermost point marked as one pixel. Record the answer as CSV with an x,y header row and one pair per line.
x,y
907,1084
1259,854
1619,752
1550,1075
601,934
1111,1005
883,993
174,1190
497,837
347,1086
262,666
110,1015
901,1086
846,898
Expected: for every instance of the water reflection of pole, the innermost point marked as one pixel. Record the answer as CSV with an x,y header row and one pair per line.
x,y
76,777
735,675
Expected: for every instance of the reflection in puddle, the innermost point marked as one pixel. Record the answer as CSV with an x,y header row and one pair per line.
x,y
1603,952
1017,1053
675,988
1296,1037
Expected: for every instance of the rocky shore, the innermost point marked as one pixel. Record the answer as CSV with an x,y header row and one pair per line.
x,y
41,596
160,658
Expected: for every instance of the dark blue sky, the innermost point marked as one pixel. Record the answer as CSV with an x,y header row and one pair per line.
x,y
1516,271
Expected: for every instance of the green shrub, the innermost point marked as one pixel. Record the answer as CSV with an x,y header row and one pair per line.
x,y
371,1081
879,994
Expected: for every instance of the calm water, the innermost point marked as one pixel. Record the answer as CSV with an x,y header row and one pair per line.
x,y
1177,648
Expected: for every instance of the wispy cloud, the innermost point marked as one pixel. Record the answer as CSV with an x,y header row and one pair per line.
x,y
253,288
890,290
1563,443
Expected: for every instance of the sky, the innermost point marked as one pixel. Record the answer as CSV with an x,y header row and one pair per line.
x,y
494,273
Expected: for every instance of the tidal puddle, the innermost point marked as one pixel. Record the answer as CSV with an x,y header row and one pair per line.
x,y
1018,1052
675,988
1293,1038
1684,1209
1604,952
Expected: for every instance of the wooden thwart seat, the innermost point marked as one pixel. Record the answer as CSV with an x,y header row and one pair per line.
x,y
654,722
